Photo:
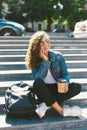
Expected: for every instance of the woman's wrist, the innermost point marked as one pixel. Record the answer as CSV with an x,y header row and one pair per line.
x,y
46,59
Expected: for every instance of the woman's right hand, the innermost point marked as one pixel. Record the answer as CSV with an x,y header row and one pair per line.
x,y
43,54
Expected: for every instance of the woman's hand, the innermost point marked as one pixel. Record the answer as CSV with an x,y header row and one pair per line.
x,y
43,54
62,87
66,88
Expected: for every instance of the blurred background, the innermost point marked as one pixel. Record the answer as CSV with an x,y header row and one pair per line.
x,y
48,15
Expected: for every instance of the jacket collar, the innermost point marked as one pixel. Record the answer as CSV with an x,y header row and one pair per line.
x,y
52,56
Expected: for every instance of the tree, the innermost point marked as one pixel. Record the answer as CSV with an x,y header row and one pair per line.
x,y
14,10
1,8
37,10
73,11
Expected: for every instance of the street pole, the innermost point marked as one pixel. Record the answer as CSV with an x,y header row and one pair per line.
x,y
59,6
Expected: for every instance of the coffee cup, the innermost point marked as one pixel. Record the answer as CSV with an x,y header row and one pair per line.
x,y
61,85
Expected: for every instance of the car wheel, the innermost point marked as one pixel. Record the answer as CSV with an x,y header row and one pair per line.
x,y
7,32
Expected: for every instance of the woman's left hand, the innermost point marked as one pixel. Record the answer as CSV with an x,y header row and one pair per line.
x,y
66,88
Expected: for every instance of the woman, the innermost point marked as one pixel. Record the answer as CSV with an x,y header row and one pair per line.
x,y
47,68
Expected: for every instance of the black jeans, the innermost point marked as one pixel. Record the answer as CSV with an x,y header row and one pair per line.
x,y
48,92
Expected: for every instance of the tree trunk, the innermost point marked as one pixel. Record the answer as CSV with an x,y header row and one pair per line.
x,y
49,24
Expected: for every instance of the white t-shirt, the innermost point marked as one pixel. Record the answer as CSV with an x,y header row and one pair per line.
x,y
49,78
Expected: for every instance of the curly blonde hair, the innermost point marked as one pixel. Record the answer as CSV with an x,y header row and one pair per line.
x,y
32,56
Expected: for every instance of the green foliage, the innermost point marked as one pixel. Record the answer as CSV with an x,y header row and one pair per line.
x,y
73,11
1,8
15,11
37,10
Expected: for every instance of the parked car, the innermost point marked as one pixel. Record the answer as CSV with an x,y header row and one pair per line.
x,y
55,30
70,34
80,29
10,28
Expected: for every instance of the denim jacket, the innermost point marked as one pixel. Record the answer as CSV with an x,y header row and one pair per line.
x,y
57,66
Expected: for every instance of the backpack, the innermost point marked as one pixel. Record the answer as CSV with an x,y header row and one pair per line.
x,y
19,101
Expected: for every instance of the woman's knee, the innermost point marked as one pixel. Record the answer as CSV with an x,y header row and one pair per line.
x,y
38,82
76,86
